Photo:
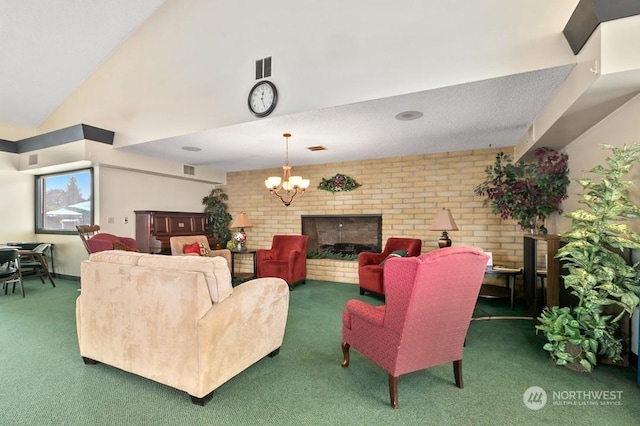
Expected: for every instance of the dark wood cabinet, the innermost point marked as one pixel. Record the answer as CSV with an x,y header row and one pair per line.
x,y
154,229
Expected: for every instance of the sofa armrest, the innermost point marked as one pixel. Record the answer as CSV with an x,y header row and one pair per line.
x,y
294,255
264,254
243,329
222,253
374,315
369,258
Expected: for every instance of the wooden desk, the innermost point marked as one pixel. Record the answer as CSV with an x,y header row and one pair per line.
x,y
235,253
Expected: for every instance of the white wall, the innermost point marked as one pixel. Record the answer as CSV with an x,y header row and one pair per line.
x,y
16,209
620,128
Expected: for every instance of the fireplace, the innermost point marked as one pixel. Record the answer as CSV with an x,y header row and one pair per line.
x,y
343,234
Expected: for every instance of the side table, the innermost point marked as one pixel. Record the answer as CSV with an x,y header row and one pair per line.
x,y
244,276
490,291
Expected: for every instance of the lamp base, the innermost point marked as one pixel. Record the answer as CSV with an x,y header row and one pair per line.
x,y
444,240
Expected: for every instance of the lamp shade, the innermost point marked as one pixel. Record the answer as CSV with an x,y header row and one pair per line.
x,y
443,221
241,221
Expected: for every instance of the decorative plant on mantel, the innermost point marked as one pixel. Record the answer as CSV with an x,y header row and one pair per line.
x,y
338,183
526,191
598,274
218,218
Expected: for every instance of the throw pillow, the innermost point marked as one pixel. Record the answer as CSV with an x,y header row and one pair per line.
x,y
192,248
204,251
118,245
395,253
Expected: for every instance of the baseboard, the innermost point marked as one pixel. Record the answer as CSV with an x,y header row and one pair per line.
x,y
66,277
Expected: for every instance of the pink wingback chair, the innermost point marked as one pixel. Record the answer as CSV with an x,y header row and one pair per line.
x,y
370,266
429,303
287,259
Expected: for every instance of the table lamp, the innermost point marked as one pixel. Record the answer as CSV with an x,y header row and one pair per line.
x,y
443,221
242,221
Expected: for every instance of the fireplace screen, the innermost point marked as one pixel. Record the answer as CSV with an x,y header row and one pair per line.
x,y
343,235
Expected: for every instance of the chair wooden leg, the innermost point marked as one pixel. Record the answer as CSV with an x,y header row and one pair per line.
x,y
457,373
345,354
393,391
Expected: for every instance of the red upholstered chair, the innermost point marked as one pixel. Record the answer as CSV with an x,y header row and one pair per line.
x,y
95,241
428,306
370,266
287,259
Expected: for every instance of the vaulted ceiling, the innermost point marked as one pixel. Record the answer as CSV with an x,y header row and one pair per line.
x,y
163,75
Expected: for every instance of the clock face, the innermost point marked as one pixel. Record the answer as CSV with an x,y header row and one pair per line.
x,y
263,98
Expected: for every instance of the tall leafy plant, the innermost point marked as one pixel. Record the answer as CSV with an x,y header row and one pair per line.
x,y
526,191
218,218
598,275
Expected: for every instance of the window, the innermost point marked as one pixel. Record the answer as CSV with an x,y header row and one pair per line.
x,y
64,200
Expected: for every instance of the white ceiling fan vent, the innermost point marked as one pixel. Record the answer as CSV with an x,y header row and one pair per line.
x,y
33,159
188,170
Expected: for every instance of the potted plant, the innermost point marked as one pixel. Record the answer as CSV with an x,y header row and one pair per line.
x,y
527,192
218,218
598,275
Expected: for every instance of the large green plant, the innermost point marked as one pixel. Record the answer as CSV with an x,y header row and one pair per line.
x,y
527,191
218,218
597,273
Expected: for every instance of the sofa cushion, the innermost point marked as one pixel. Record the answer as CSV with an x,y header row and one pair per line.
x,y
120,257
119,245
193,248
395,253
215,270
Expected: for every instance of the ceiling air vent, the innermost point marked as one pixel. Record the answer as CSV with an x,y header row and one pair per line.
x,y
188,170
317,148
33,159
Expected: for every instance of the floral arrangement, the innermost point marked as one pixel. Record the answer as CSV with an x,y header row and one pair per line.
x,y
526,191
338,183
240,237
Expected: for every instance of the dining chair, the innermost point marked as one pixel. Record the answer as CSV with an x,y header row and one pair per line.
x,y
10,269
34,262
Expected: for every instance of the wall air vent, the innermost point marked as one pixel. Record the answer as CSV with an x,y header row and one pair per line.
x,y
33,159
188,170
317,148
263,68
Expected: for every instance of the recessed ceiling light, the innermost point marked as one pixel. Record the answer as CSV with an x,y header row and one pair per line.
x,y
191,148
408,115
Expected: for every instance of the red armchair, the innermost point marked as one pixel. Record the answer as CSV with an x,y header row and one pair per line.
x,y
370,266
429,303
95,241
287,259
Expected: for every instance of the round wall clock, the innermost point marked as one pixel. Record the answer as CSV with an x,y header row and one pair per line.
x,y
263,98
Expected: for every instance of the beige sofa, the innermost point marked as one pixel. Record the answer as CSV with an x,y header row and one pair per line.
x,y
176,319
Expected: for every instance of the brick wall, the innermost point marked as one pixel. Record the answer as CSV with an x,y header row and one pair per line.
x,y
407,191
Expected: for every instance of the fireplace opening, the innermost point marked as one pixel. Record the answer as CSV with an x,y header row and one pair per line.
x,y
344,236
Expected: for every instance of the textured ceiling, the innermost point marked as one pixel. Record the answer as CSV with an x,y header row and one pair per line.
x,y
483,114
49,47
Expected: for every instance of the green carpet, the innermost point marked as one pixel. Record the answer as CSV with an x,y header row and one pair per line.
x,y
44,381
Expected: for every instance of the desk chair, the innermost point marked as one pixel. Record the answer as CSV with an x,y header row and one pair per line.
x,y
35,262
10,269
